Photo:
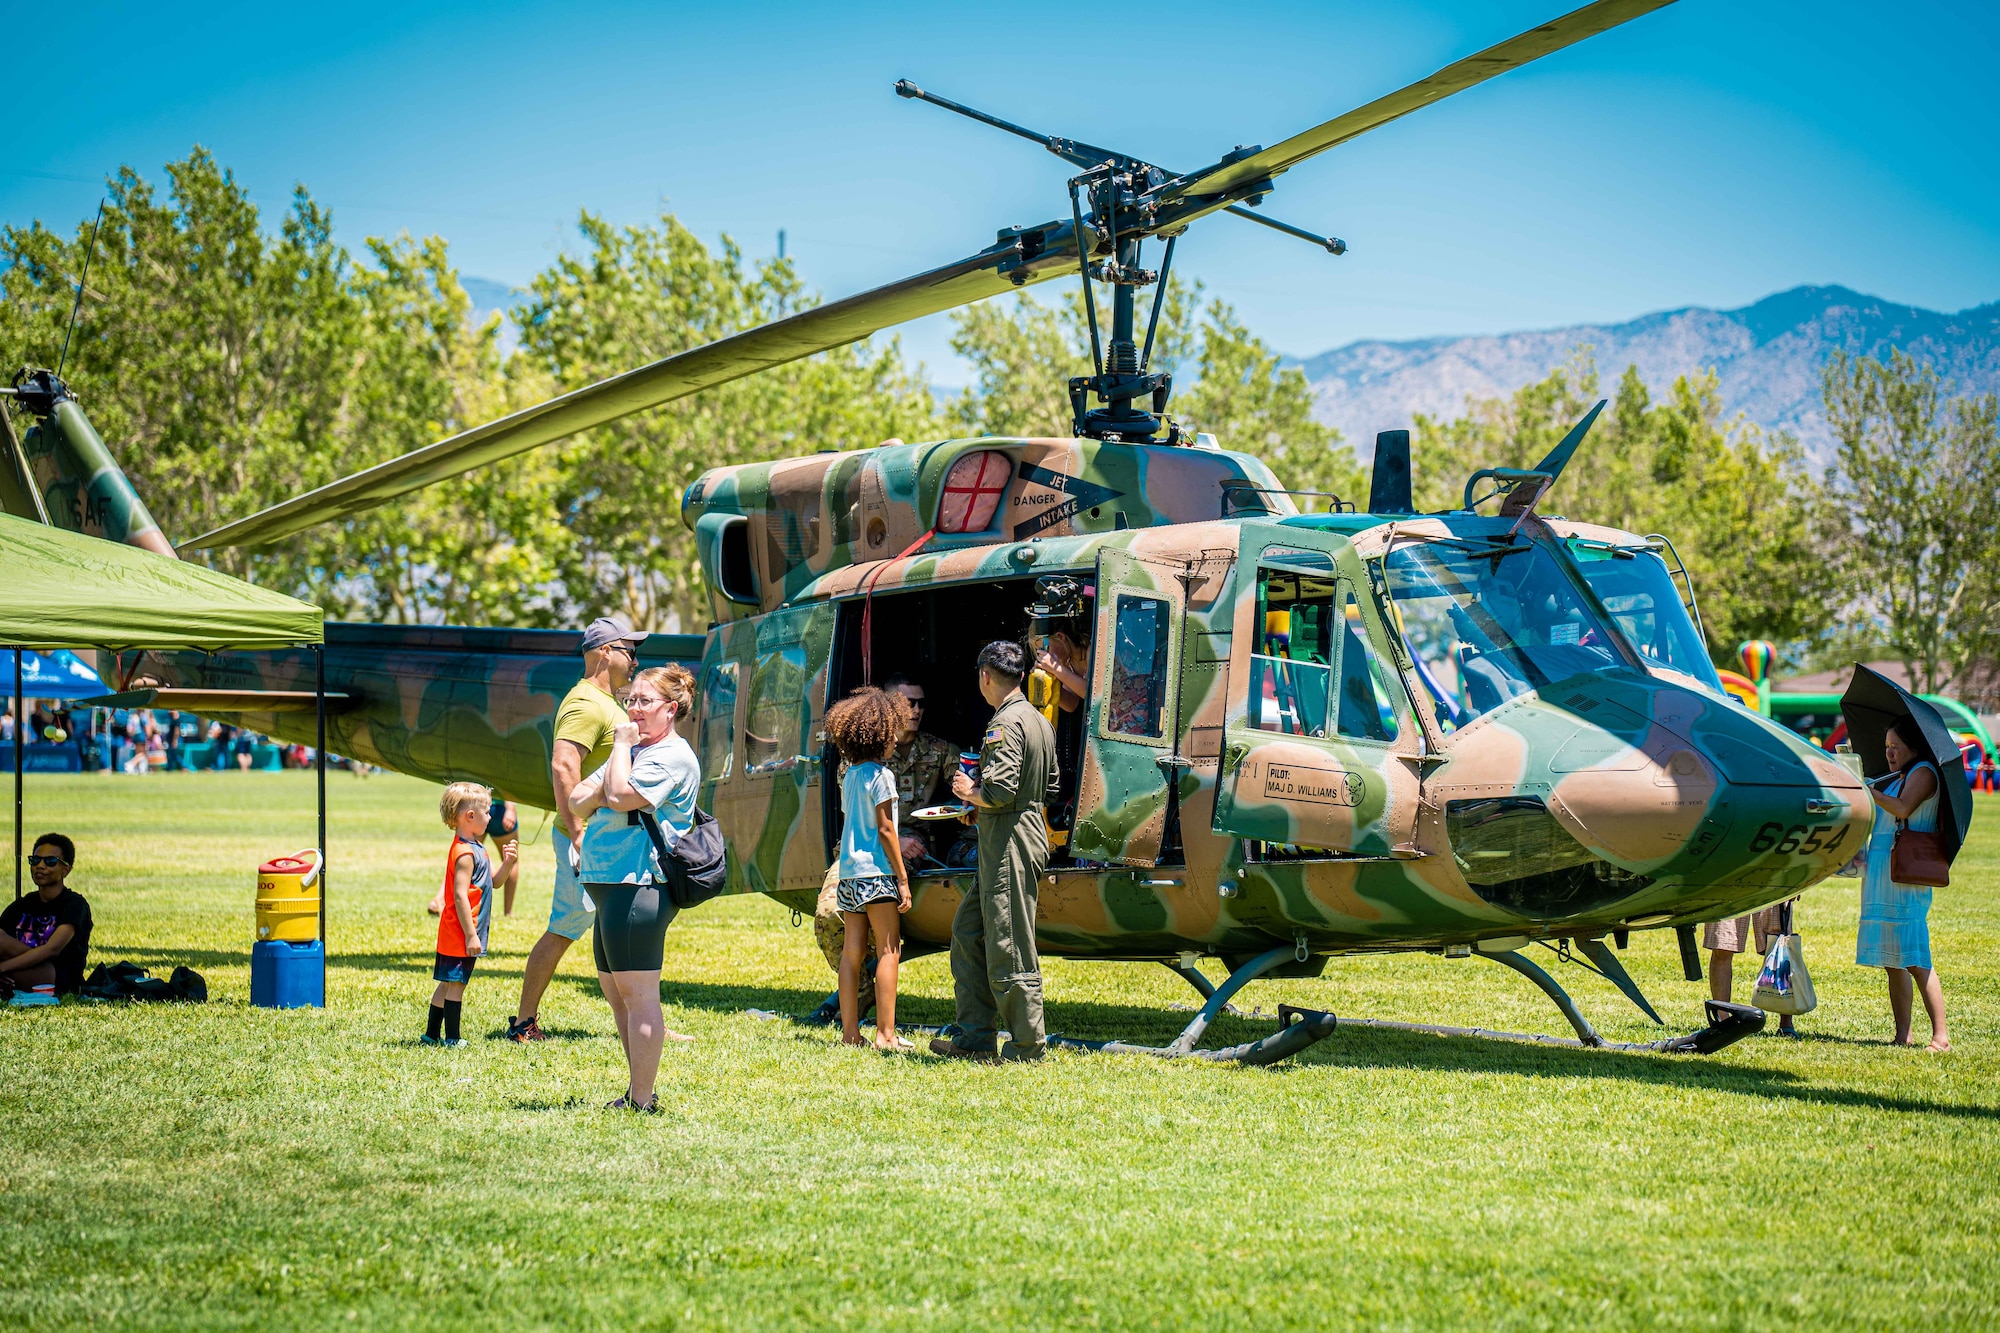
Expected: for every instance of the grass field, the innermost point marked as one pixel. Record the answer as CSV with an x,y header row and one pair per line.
x,y
224,1166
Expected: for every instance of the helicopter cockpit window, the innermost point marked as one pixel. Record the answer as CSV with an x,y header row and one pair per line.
x,y
718,719
1291,665
1367,709
1486,626
1637,590
1136,700
771,723
1313,671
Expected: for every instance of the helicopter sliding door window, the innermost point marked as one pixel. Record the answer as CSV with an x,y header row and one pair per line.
x,y
717,750
1129,758
770,807
771,740
1136,696
726,658
1317,740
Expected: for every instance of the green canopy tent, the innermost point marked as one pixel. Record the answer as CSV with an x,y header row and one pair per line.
x,y
65,590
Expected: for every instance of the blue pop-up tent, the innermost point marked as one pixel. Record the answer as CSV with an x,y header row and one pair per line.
x,y
57,675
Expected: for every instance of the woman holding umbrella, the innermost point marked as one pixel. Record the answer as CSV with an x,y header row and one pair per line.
x,y
1895,918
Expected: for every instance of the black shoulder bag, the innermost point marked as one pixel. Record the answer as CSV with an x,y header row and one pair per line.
x,y
696,868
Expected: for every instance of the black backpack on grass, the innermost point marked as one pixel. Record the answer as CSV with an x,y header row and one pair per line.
x,y
129,981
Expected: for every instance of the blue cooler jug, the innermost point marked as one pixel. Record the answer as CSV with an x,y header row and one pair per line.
x,y
288,974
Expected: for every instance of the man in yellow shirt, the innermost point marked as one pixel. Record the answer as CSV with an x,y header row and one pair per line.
x,y
581,744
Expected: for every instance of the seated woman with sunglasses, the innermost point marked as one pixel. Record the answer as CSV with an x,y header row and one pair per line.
x,y
45,936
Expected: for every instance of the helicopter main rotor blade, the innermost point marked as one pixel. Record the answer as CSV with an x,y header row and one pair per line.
x,y
1510,54
999,269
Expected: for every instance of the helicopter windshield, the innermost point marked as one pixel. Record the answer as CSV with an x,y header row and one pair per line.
x,y
1634,585
1489,624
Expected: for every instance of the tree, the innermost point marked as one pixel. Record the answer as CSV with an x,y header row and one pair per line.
x,y
1735,500
1024,353
1918,474
229,369
1249,401
637,294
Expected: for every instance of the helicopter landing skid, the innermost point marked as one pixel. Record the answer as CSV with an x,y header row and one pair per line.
x,y
1727,1024
1297,1028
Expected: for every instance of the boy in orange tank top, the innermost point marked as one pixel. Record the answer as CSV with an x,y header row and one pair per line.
x,y
468,912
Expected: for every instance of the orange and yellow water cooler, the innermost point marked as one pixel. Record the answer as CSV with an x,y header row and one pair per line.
x,y
288,961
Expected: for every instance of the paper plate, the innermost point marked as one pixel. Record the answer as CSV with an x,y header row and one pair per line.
x,y
941,812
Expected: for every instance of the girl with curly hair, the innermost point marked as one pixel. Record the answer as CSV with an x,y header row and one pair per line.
x,y
874,886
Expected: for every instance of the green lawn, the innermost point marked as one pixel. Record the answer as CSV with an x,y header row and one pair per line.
x,y
224,1166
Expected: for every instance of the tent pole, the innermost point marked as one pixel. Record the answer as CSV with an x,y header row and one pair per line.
x,y
319,769
20,722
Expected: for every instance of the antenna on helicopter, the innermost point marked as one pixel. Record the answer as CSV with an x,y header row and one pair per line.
x,y
77,308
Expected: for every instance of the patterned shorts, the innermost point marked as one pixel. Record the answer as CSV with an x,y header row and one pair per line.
x,y
1736,936
856,894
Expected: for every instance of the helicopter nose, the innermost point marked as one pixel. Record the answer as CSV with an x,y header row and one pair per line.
x,y
1673,783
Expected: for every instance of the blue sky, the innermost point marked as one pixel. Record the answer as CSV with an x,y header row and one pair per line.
x,y
1705,155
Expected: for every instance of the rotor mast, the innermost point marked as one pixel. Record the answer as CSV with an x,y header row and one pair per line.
x,y
1115,204
1121,372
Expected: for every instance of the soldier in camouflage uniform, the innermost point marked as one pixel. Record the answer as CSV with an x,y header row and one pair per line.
x,y
995,970
919,764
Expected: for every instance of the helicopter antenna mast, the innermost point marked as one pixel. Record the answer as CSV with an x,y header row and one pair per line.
x,y
77,308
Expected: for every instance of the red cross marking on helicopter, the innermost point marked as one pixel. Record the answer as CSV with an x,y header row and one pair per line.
x,y
970,498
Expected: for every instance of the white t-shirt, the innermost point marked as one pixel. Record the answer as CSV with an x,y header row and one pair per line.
x,y
615,847
864,788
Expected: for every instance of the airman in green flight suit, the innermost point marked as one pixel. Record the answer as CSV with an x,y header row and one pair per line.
x,y
995,970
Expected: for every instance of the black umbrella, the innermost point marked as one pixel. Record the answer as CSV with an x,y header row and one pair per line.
x,y
1871,703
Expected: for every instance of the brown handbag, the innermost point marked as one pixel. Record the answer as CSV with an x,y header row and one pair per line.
x,y
1918,858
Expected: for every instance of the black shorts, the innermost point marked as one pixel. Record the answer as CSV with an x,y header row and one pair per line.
x,y
631,930
451,968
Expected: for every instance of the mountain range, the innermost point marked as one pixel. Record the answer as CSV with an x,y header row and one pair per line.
x,y
1767,356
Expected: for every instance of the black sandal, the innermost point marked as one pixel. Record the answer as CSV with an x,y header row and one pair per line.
x,y
625,1103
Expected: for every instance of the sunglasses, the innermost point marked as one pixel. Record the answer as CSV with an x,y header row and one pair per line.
x,y
914,703
46,861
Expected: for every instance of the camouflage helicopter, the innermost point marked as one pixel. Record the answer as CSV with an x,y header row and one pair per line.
x,y
1306,734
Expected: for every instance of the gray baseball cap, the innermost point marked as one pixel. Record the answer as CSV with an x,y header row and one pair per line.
x,y
606,630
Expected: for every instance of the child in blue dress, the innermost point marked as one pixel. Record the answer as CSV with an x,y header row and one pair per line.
x,y
874,887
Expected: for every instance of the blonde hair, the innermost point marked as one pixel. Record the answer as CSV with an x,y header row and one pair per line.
x,y
674,683
459,797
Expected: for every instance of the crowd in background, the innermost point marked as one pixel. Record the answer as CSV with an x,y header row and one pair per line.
x,y
143,740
